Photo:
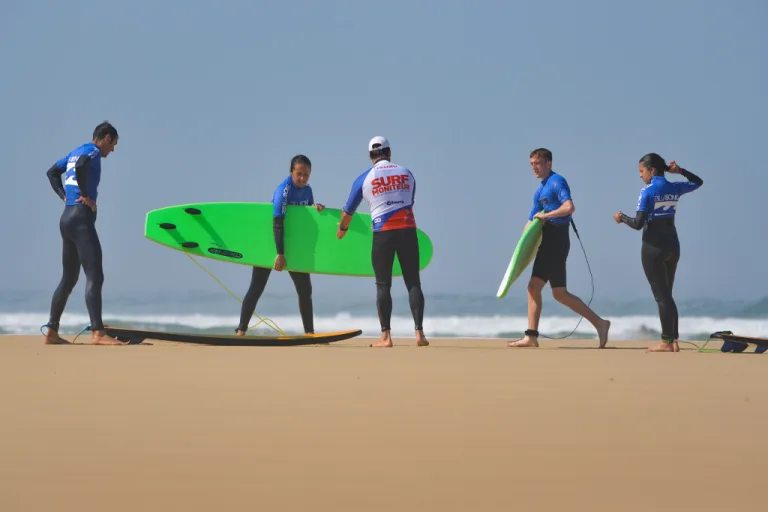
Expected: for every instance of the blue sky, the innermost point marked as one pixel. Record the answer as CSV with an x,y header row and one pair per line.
x,y
211,103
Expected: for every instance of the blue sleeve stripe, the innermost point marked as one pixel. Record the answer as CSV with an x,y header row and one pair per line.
x,y
356,194
280,200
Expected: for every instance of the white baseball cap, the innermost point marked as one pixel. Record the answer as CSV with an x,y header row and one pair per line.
x,y
384,143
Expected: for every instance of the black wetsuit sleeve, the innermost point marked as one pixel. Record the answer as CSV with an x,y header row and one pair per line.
x,y
636,222
692,177
81,173
277,229
54,176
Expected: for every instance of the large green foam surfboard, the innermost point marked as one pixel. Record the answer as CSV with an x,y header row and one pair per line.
x,y
242,233
522,257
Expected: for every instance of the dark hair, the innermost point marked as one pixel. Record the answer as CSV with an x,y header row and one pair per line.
x,y
300,159
378,152
105,128
542,152
654,163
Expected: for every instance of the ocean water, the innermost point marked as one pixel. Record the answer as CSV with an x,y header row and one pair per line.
x,y
445,315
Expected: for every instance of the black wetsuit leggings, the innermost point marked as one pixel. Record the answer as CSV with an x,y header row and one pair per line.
x,y
405,244
81,248
259,279
660,256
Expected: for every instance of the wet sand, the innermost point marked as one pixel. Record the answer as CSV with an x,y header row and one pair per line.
x,y
464,425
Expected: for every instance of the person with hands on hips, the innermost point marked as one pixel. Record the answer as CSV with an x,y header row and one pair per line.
x,y
81,245
660,251
293,190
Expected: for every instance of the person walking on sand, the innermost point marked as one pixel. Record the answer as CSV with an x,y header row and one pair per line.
x,y
77,224
389,189
553,196
660,251
293,190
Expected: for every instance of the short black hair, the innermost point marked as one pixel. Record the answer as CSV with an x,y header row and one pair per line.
x,y
542,152
103,129
378,152
300,159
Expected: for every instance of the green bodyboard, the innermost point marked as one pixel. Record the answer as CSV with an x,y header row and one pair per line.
x,y
524,253
242,233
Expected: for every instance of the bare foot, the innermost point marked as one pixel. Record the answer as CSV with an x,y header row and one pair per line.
x,y
101,338
676,346
240,333
663,346
421,340
528,341
602,332
384,342
52,338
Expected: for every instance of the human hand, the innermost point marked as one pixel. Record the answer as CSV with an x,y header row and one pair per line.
x,y
674,168
540,215
319,207
279,262
88,202
617,217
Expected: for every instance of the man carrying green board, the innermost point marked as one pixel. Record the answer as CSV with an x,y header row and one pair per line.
x,y
553,197
389,190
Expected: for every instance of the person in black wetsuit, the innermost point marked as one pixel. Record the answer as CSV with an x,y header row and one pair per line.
x,y
82,172
293,190
660,252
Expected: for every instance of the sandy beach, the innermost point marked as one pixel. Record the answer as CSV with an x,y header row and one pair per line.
x,y
464,424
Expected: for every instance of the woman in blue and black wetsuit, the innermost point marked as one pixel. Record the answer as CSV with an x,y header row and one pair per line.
x,y
294,190
656,209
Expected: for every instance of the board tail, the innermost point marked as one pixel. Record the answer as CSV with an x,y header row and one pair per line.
x,y
738,344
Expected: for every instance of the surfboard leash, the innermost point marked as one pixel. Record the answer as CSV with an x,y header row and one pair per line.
x,y
48,325
592,281
266,321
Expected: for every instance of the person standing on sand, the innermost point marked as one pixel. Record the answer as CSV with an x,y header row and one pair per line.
x,y
293,190
389,189
554,197
660,252
82,173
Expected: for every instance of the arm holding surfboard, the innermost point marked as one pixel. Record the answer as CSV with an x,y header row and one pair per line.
x,y
343,225
565,209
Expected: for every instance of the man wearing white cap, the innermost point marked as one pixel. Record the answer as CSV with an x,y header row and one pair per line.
x,y
389,190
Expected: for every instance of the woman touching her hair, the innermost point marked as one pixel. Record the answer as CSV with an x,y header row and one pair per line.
x,y
660,252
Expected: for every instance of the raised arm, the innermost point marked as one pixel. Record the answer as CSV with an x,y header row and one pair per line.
x,y
692,177
693,183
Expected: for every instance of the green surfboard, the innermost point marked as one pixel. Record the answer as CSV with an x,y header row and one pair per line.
x,y
522,257
242,233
